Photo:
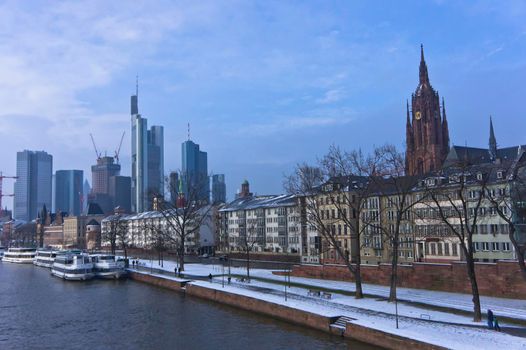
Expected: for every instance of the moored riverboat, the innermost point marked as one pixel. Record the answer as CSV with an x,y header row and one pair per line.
x,y
107,266
76,267
45,257
20,255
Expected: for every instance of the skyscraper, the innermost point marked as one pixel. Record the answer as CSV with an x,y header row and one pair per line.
x,y
196,183
218,188
155,161
69,191
147,159
33,187
101,174
120,191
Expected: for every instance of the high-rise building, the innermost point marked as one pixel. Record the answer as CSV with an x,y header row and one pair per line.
x,y
173,186
86,189
69,191
147,151
120,191
195,172
218,188
33,186
427,133
101,174
155,161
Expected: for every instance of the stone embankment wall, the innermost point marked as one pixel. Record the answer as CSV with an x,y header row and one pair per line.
x,y
501,279
285,313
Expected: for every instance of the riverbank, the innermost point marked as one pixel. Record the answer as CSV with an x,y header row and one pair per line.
x,y
366,326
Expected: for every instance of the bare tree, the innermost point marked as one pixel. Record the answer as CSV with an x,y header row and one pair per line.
x,y
397,190
115,233
509,201
247,240
186,214
456,201
341,182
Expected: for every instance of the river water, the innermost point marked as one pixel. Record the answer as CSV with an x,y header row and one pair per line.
x,y
38,311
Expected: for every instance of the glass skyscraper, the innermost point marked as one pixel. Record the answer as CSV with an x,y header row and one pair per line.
x,y
33,186
218,189
147,160
69,191
196,183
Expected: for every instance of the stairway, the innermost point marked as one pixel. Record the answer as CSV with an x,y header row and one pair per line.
x,y
341,322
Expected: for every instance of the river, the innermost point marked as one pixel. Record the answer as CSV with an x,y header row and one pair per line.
x,y
38,311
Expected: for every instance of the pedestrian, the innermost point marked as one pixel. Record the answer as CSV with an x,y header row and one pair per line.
x,y
229,278
490,319
175,271
496,326
210,277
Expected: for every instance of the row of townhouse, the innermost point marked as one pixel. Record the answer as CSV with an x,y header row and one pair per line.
x,y
261,224
143,230
362,215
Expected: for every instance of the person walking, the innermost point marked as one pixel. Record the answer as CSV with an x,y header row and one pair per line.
x,y
210,277
490,319
496,324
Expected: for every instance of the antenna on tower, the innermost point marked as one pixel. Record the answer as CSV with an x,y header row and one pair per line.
x,y
137,85
188,131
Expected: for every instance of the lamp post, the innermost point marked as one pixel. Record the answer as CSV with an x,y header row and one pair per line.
x,y
396,311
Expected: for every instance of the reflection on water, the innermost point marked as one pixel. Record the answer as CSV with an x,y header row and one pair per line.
x,y
38,311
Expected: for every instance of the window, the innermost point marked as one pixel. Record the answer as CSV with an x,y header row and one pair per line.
x,y
506,246
485,246
439,246
495,246
433,249
479,176
446,249
499,174
454,249
475,246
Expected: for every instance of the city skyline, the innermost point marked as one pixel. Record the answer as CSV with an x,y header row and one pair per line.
x,y
348,69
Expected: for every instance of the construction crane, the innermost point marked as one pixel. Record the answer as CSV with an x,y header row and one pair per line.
x,y
118,151
2,177
95,147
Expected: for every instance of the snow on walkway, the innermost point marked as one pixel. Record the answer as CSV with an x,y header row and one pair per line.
x,y
512,308
450,336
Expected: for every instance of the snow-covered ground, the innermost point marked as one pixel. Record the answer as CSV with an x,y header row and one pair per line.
x,y
366,312
512,308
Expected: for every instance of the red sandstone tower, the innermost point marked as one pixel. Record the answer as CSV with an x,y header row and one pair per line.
x,y
427,134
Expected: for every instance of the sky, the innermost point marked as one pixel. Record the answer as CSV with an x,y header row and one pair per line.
x,y
264,85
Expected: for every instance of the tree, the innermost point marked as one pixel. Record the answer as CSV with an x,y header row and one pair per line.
x,y
456,199
509,201
184,216
397,191
247,240
115,233
334,193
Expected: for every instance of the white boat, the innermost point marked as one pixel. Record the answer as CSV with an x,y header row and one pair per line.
x,y
45,258
107,266
20,255
76,267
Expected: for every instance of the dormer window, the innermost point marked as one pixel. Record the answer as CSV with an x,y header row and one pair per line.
x,y
499,174
479,176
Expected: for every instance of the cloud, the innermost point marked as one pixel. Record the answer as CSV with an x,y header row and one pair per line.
x,y
331,96
291,124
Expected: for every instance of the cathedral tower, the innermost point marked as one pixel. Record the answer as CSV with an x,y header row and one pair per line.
x,y
427,134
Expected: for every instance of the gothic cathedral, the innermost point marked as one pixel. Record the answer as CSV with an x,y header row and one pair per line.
x,y
427,134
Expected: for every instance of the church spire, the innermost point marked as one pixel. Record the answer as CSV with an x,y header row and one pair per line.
x,y
424,78
492,141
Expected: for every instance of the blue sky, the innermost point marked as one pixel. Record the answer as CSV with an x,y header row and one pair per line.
x,y
264,84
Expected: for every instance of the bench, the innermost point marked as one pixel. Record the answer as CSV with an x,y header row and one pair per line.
x,y
326,295
314,293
